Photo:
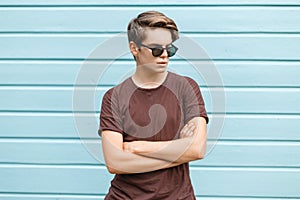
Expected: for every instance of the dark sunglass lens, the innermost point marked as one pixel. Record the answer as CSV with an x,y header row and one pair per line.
x,y
157,51
171,51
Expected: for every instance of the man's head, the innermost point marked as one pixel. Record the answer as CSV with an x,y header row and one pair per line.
x,y
151,19
150,37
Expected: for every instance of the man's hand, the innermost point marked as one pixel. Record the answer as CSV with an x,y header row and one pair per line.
x,y
187,130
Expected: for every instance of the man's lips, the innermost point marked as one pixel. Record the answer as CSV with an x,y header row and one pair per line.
x,y
162,63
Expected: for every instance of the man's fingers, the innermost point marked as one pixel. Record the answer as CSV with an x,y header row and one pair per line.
x,y
184,130
188,130
125,146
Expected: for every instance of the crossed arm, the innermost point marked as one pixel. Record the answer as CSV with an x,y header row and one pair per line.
x,y
143,156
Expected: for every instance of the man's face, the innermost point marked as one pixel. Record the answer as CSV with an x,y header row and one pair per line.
x,y
154,37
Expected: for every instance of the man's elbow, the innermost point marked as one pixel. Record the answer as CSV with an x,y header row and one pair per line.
x,y
113,170
198,154
192,155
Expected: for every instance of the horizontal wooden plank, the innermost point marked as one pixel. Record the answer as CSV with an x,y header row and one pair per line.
x,y
25,196
259,182
33,125
100,197
40,73
245,154
140,2
95,19
238,73
51,151
88,99
262,127
246,182
267,100
236,127
54,179
256,153
192,46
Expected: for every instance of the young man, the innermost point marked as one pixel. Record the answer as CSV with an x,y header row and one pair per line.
x,y
154,122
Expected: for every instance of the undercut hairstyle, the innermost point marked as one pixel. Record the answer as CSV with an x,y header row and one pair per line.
x,y
150,19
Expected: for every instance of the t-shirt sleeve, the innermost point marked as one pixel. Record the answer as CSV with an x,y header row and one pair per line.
x,y
110,117
193,102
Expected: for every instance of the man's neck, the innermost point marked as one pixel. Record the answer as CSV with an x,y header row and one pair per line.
x,y
146,80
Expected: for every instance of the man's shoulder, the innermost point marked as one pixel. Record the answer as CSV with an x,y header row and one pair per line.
x,y
177,78
117,88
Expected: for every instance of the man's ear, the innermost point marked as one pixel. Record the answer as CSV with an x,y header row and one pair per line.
x,y
133,48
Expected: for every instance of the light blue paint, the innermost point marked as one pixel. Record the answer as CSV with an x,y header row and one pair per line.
x,y
233,73
238,100
256,46
194,19
218,46
206,180
236,126
236,153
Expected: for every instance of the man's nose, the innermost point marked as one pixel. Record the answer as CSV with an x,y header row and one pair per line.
x,y
164,54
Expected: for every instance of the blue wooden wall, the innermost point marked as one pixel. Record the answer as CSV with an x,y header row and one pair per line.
x,y
255,46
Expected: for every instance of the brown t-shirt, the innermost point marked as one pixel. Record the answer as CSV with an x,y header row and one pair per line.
x,y
156,114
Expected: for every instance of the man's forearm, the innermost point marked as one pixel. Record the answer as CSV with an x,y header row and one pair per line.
x,y
119,161
131,164
181,150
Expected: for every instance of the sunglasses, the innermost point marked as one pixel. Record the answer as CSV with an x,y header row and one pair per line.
x,y
158,50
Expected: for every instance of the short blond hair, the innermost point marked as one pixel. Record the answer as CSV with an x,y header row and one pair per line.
x,y
151,19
